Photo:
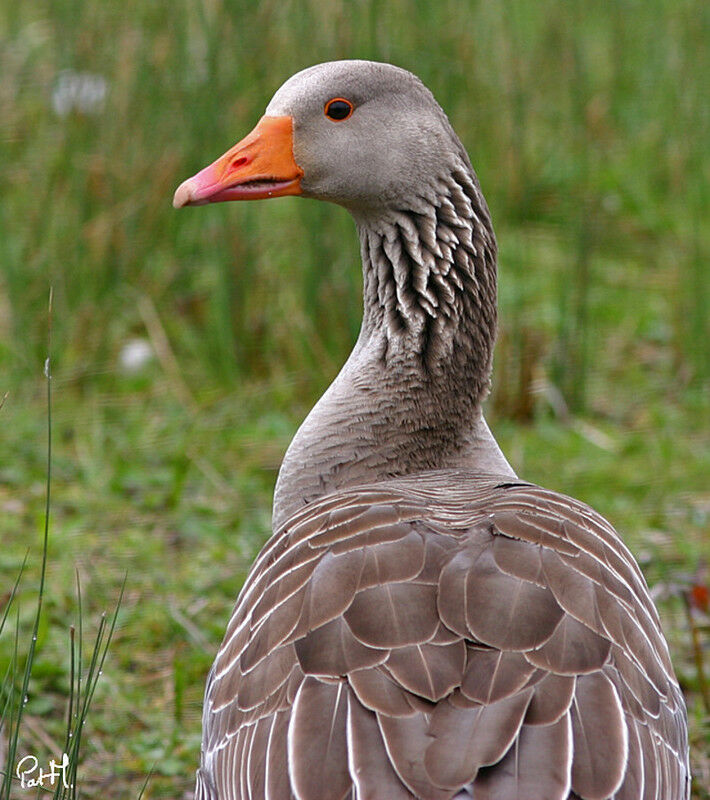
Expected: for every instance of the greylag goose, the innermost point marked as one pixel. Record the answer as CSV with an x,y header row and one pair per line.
x,y
422,623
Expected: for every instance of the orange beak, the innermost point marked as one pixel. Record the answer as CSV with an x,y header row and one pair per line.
x,y
261,165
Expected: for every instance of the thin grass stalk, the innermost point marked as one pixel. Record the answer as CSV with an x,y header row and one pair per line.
x,y
16,721
8,680
146,782
9,706
14,589
72,673
80,698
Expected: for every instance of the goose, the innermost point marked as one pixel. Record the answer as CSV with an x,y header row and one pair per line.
x,y
422,623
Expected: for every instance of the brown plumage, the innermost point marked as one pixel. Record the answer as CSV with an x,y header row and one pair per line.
x,y
457,651
422,624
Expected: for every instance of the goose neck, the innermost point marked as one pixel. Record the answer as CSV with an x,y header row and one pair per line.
x,y
409,397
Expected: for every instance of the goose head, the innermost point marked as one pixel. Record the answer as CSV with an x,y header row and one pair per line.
x,y
361,134
371,137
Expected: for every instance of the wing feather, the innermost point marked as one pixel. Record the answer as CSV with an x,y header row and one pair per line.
x,y
278,784
377,691
507,612
406,738
528,772
393,562
317,746
551,699
632,787
370,769
332,650
572,649
428,670
394,614
468,738
493,674
600,738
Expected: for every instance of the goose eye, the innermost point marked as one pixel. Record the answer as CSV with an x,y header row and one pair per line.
x,y
338,109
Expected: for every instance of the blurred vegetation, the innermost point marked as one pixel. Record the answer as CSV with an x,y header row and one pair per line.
x,y
588,125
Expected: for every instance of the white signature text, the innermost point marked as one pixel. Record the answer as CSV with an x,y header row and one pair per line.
x,y
27,772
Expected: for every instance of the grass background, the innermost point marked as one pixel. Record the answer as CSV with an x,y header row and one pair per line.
x,y
588,125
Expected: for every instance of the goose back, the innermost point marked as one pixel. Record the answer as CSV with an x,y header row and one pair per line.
x,y
443,632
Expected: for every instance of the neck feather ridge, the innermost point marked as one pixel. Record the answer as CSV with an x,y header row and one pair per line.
x,y
429,278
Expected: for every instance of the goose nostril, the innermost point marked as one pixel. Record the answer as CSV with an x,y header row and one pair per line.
x,y
239,162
